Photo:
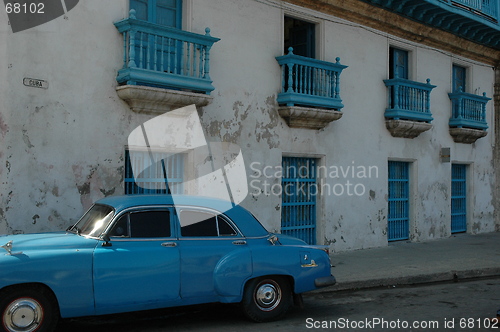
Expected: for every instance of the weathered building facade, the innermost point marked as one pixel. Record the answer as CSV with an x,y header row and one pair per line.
x,y
360,122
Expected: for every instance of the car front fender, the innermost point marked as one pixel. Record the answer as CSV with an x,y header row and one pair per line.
x,y
67,272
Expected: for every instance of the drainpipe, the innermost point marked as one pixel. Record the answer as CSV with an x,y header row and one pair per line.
x,y
496,149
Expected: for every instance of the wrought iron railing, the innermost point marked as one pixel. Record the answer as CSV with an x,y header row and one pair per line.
x,y
309,82
483,7
166,57
468,110
409,100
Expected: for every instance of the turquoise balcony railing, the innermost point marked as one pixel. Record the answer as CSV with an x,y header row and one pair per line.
x,y
309,82
487,8
409,100
164,57
468,110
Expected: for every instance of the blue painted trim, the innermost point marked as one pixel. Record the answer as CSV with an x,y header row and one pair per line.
x,y
138,76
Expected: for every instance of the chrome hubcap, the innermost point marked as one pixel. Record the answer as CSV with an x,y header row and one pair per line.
x,y
23,315
267,296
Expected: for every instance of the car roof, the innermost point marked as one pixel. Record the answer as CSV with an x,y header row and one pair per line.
x,y
247,223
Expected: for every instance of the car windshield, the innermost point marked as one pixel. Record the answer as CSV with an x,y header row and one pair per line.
x,y
94,221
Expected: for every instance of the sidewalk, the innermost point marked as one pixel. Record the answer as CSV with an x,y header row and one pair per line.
x,y
402,263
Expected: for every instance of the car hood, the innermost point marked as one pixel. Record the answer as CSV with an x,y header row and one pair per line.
x,y
46,241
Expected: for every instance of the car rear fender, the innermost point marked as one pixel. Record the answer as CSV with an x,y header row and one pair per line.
x,y
303,264
231,272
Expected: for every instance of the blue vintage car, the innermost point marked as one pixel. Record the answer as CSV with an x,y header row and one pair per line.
x,y
130,253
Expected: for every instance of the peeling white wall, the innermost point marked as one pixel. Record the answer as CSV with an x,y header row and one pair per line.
x,y
61,148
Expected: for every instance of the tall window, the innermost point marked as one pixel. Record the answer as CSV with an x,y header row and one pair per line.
x,y
458,198
164,12
459,79
398,63
299,191
149,172
398,219
300,35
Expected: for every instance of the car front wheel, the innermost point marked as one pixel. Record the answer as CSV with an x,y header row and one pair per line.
x,y
266,299
28,309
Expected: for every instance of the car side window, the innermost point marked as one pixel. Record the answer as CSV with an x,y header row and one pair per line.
x,y
143,224
121,229
201,223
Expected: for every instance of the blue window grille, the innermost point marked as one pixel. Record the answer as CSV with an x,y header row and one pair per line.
x,y
398,219
458,198
299,191
158,173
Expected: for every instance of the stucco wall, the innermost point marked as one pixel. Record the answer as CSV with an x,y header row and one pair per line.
x,y
63,147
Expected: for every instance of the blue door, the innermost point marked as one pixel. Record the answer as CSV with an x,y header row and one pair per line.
x,y
166,52
300,36
299,191
398,63
140,269
398,219
163,12
459,79
458,198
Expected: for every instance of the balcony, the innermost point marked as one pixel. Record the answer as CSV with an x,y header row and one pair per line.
x,y
408,114
475,20
468,116
310,91
163,67
486,8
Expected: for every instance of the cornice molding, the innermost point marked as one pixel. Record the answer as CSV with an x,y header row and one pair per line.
x,y
378,18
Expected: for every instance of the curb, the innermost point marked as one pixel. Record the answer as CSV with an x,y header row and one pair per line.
x,y
413,279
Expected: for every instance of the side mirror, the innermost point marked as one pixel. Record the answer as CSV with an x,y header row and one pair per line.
x,y
106,241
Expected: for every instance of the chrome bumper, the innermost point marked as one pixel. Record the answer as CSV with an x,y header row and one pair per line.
x,y
325,281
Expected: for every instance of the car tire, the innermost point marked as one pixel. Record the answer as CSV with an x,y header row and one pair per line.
x,y
266,299
28,309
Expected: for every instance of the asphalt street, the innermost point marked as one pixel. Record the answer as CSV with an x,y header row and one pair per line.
x,y
452,306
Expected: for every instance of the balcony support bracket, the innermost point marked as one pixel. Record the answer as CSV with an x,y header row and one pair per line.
x,y
306,117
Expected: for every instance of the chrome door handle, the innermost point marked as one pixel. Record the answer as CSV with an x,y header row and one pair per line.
x,y
239,242
169,244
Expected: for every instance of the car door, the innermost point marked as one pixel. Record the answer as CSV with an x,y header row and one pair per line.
x,y
205,238
139,268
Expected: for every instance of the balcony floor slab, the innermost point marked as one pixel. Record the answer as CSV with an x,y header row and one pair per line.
x,y
467,135
144,99
306,117
406,129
